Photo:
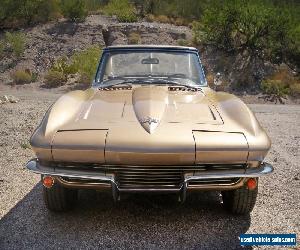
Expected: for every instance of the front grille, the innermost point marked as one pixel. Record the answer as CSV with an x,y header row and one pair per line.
x,y
149,177
139,177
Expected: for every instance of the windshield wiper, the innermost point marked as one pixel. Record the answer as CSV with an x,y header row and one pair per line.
x,y
171,82
125,81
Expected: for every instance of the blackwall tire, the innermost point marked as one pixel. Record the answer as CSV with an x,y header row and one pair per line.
x,y
58,198
240,201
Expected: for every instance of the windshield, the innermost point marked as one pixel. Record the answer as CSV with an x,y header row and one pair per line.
x,y
183,66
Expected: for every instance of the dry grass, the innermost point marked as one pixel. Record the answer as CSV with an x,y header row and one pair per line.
x,y
179,21
210,79
55,79
23,76
134,38
282,83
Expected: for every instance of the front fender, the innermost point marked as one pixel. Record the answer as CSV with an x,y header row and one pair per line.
x,y
64,110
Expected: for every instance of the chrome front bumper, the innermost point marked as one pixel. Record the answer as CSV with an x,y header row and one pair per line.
x,y
35,166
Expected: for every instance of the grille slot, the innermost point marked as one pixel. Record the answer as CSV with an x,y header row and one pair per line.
x,y
228,181
148,177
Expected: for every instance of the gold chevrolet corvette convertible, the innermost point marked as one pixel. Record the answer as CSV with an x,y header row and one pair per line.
x,y
150,123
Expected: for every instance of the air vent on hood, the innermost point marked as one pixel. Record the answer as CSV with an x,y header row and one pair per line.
x,y
179,88
116,88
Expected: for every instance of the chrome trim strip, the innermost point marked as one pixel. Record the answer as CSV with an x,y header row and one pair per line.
x,y
161,190
265,168
37,168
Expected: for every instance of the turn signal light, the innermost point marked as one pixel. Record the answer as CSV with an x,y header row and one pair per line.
x,y
251,184
48,181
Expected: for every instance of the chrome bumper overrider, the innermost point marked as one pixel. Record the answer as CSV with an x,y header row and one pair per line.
x,y
35,166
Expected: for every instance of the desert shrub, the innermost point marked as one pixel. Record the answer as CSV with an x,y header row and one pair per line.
x,y
283,74
183,42
281,83
2,47
198,33
86,61
180,21
122,9
275,87
17,42
74,9
16,13
188,9
94,6
134,38
62,65
55,79
22,77
162,19
295,89
150,18
210,79
259,26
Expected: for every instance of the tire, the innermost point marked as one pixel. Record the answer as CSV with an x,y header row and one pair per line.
x,y
58,198
239,201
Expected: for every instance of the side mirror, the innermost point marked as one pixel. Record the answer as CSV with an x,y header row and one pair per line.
x,y
217,80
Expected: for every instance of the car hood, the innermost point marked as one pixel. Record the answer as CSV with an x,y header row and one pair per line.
x,y
151,124
150,106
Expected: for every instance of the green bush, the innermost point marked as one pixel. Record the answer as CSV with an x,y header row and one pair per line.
x,y
17,42
275,87
55,79
85,62
188,9
62,65
22,77
73,9
16,13
123,9
94,6
258,26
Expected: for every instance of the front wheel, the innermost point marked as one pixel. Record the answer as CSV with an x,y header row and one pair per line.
x,y
240,201
58,198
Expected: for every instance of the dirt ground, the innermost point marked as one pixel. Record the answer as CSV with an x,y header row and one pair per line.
x,y
140,221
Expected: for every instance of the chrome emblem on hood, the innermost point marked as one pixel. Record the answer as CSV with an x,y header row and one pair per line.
x,y
149,120
149,123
